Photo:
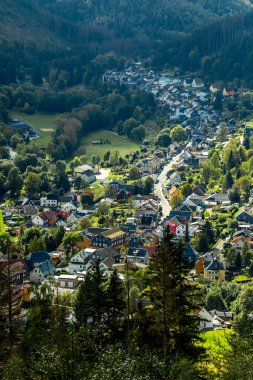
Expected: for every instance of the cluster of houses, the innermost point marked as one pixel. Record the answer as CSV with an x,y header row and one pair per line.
x,y
185,100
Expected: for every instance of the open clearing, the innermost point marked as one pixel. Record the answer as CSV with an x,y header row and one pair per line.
x,y
120,143
216,344
2,225
43,125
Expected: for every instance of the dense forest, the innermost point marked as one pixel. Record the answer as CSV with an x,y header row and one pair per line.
x,y
213,37
220,51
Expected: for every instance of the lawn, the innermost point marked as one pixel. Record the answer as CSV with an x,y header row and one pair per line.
x,y
43,125
98,190
215,339
2,225
214,343
120,143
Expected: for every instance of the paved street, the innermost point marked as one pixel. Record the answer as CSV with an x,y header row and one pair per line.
x,y
158,187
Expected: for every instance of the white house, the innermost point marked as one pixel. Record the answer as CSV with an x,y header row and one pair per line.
x,y
181,230
72,219
206,320
49,201
107,201
85,172
68,207
197,83
174,179
37,221
138,255
81,261
40,272
68,280
149,165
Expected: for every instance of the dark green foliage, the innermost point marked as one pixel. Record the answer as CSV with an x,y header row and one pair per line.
x,y
163,140
90,300
116,307
214,300
228,182
173,325
217,105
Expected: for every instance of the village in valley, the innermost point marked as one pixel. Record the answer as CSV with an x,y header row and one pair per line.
x,y
189,186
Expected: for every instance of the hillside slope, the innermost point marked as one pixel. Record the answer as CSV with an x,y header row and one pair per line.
x,y
151,17
84,21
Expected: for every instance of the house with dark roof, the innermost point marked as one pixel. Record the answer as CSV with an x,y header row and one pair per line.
x,y
85,172
190,254
83,260
214,270
245,217
218,198
39,266
183,216
35,258
138,255
135,242
110,238
40,272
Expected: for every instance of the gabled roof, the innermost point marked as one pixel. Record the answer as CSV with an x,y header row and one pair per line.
x,y
221,197
113,233
137,252
47,215
190,252
82,168
46,268
52,197
89,173
181,215
108,261
108,252
93,231
185,207
215,265
174,221
222,314
36,258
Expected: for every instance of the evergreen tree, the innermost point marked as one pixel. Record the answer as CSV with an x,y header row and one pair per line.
x,y
231,163
172,322
238,260
91,298
228,182
115,306
217,105
246,142
210,232
245,255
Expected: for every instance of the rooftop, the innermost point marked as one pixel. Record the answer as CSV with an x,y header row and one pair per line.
x,y
114,233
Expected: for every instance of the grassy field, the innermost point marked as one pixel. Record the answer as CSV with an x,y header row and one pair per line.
x,y
122,144
214,339
214,342
42,124
2,225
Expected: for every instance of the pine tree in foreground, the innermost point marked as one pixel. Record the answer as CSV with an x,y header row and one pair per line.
x,y
172,303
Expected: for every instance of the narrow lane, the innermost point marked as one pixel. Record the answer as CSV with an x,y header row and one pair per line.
x,y
158,188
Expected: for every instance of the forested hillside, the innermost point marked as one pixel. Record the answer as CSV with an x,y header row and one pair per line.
x,y
222,50
153,18
105,22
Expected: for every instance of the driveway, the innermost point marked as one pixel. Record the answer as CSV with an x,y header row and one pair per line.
x,y
103,174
